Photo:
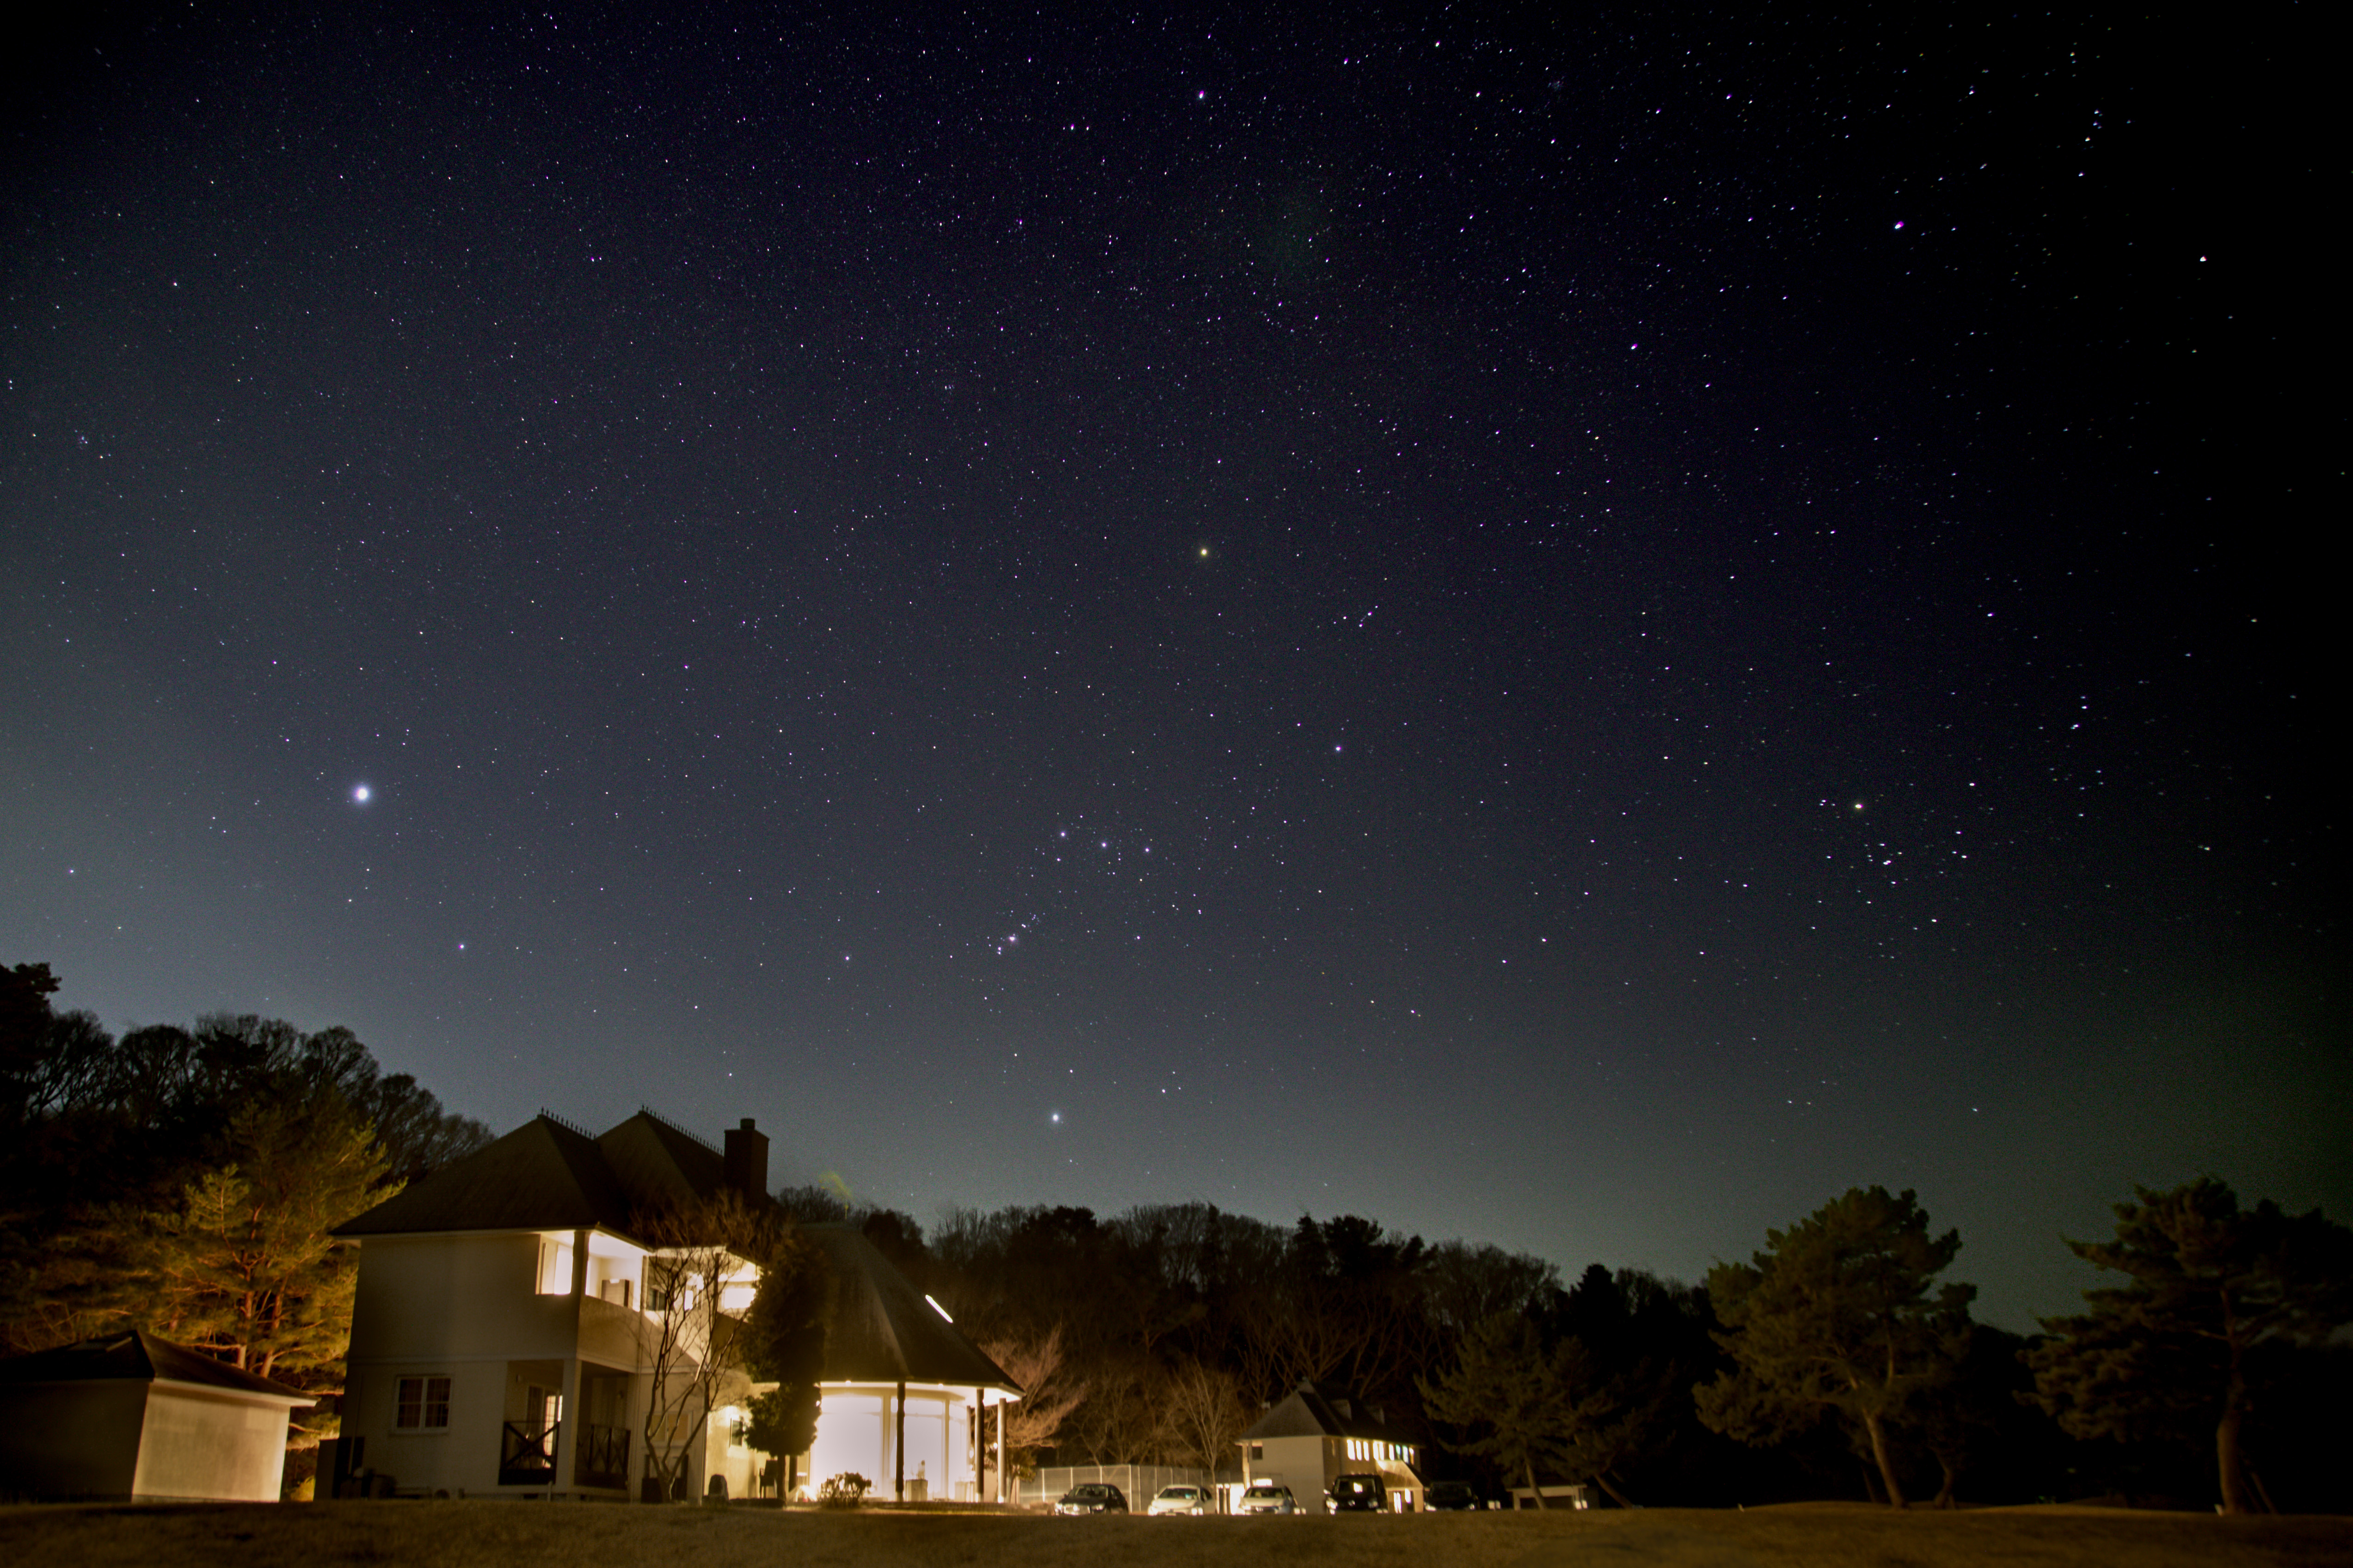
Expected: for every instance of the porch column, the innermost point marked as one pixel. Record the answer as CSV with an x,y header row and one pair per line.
x,y
899,1446
567,1427
567,1409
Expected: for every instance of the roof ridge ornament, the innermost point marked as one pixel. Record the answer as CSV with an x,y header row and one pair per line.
x,y
566,1123
649,1112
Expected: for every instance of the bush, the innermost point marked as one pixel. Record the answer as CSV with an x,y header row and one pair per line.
x,y
844,1490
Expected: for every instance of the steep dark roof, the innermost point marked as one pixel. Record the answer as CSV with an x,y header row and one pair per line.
x,y
1321,1410
658,1165
137,1357
545,1175
879,1329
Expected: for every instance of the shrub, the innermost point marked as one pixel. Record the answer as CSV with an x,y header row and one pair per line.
x,y
844,1490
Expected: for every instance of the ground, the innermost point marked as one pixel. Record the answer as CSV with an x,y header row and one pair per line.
x,y
475,1534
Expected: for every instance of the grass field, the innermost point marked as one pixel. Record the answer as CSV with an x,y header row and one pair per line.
x,y
529,1535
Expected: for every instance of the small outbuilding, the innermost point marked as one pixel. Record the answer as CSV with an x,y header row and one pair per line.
x,y
1320,1431
131,1417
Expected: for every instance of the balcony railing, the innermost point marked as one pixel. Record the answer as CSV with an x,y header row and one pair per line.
x,y
603,1458
527,1453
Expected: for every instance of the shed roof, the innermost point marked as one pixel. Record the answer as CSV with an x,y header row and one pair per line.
x,y
880,1329
135,1356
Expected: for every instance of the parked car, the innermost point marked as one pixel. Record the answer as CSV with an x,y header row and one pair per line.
x,y
1093,1496
1358,1494
1449,1495
1266,1497
1181,1500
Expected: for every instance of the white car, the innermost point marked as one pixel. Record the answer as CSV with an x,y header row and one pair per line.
x,y
1266,1497
1180,1500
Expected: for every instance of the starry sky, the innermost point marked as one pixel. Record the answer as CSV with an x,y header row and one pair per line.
x,y
1577,627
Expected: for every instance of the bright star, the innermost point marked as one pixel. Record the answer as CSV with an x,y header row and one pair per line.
x,y
360,793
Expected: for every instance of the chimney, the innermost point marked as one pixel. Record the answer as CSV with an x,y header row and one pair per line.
x,y
747,1160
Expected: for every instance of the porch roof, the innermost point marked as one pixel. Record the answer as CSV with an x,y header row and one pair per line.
x,y
879,1329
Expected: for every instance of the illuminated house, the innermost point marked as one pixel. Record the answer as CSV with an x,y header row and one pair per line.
x,y
1317,1432
507,1312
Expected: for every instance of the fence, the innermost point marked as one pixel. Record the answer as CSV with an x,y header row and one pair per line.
x,y
1137,1483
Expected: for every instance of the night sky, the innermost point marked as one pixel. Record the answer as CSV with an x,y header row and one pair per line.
x,y
1576,630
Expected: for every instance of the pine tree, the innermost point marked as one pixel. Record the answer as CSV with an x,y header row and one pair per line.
x,y
1835,1315
2209,1284
243,1266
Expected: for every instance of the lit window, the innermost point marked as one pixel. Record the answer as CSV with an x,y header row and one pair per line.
x,y
422,1405
554,1267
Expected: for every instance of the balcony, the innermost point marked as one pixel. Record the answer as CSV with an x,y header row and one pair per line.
x,y
603,1458
527,1453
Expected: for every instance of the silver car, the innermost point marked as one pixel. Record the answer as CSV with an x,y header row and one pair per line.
x,y
1266,1497
1180,1500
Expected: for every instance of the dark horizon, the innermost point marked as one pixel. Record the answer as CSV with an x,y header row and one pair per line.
x,y
1578,633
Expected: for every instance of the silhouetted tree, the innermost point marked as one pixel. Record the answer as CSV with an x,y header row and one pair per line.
x,y
2210,1285
1205,1416
784,1344
1050,1390
1835,1315
689,1339
1505,1388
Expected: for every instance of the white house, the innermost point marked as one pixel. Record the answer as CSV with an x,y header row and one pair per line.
x,y
503,1338
1316,1433
130,1417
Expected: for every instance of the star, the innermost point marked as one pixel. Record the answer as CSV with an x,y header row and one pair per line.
x,y
361,795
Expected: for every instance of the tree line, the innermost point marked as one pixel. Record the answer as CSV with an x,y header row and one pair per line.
x,y
185,1181
1840,1358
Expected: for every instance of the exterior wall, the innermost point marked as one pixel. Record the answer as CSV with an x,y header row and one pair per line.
x,y
495,1315
125,1439
199,1443
1305,1465
71,1439
856,1430
613,1336
462,1457
458,1298
853,1434
1405,1488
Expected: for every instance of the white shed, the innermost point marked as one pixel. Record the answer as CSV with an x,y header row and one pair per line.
x,y
129,1416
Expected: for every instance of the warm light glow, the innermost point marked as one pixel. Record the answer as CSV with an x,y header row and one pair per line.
x,y
942,1312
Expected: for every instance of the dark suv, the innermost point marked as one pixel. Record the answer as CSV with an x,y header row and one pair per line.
x,y
1095,1497
1352,1494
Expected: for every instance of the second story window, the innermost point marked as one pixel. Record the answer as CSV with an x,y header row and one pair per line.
x,y
554,1265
